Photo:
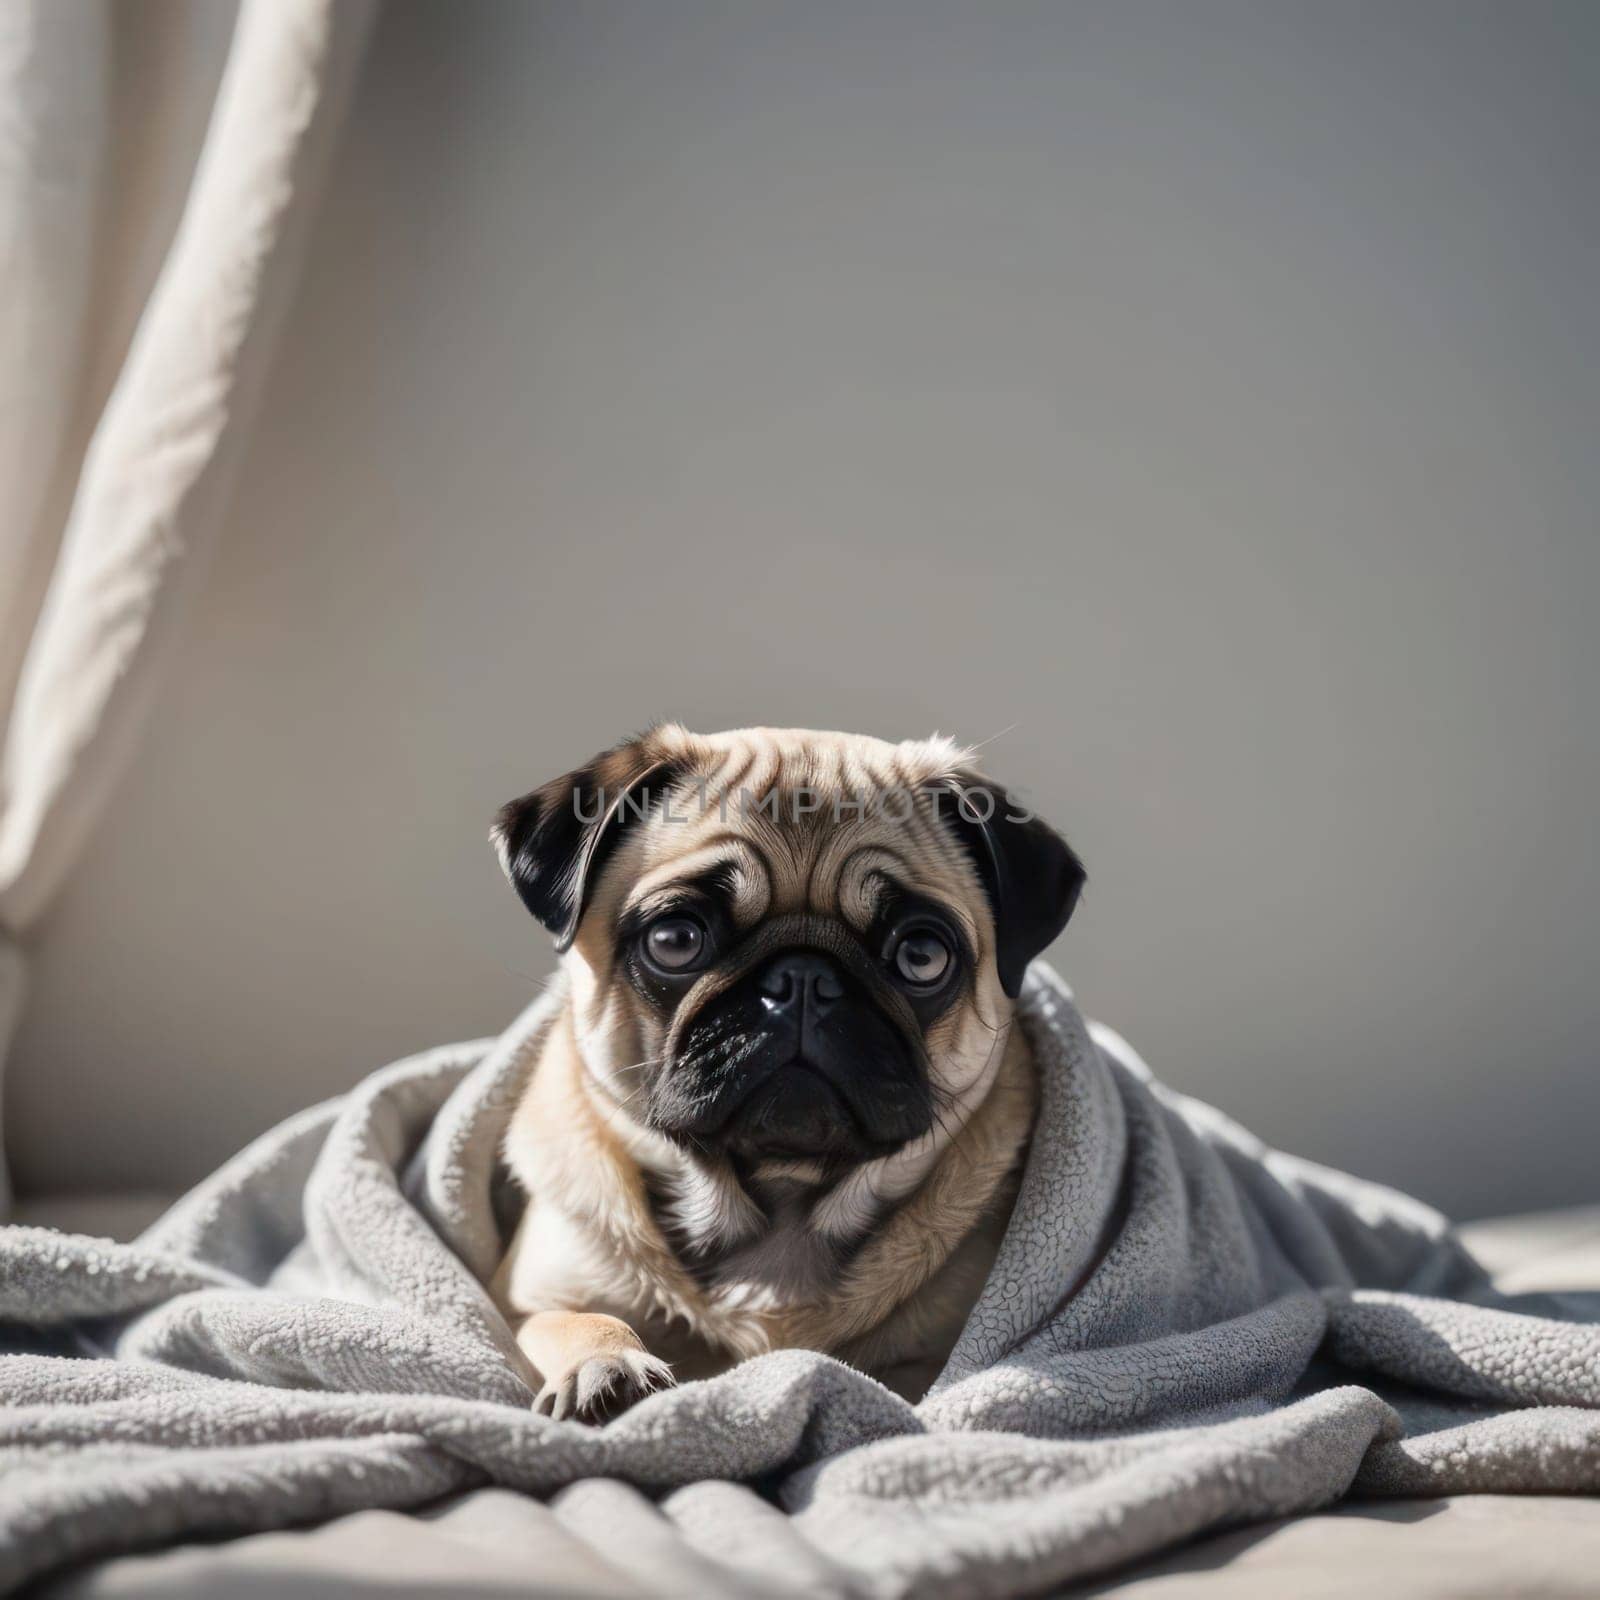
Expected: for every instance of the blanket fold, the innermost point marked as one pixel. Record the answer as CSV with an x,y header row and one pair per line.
x,y
1183,1329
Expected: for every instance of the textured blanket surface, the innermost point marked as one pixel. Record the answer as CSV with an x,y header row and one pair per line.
x,y
1183,1329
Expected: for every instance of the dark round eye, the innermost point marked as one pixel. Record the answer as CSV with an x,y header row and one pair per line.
x,y
923,959
675,944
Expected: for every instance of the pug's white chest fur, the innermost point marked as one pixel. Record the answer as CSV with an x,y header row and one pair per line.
x,y
557,1260
703,1290
752,1291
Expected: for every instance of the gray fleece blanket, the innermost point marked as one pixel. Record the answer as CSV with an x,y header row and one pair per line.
x,y
1183,1329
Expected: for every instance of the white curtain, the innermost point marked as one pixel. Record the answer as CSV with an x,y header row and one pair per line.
x,y
132,352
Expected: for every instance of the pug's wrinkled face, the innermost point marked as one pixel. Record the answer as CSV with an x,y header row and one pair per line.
x,y
787,946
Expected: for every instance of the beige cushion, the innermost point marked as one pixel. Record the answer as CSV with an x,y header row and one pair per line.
x,y
1489,1545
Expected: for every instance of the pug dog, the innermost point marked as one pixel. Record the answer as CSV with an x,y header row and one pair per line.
x,y
783,1103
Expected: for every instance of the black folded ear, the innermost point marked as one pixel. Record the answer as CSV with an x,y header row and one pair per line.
x,y
1030,874
554,842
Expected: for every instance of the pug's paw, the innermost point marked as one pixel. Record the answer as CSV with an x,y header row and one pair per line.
x,y
599,1388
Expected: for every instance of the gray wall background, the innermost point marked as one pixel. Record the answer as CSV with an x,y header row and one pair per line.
x,y
1203,394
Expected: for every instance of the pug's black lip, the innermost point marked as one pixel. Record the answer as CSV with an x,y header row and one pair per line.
x,y
692,1129
870,1144
724,1131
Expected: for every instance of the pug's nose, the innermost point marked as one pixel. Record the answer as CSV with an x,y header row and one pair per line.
x,y
800,982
